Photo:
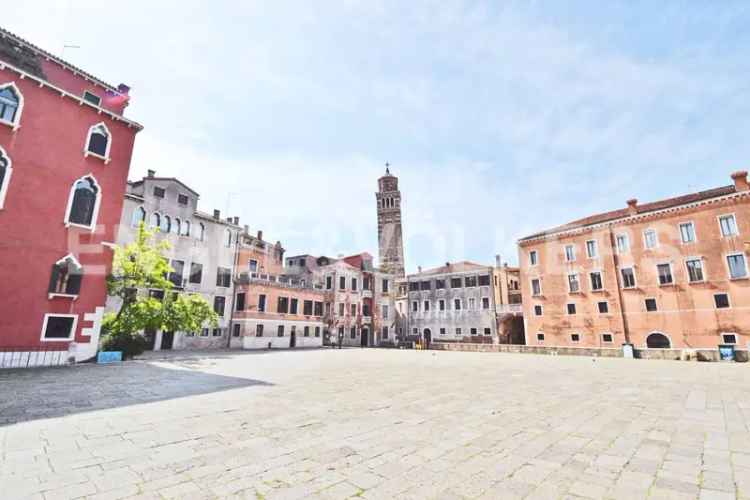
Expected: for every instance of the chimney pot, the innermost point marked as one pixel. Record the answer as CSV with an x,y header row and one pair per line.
x,y
246,229
151,173
260,235
632,206
740,181
419,269
498,260
217,214
236,221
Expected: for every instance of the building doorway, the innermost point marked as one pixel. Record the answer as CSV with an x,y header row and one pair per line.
x,y
658,341
150,336
293,339
427,338
364,337
167,340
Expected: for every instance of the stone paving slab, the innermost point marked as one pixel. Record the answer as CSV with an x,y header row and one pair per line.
x,y
375,424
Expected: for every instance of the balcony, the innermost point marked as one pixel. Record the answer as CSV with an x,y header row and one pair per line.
x,y
509,308
367,294
366,320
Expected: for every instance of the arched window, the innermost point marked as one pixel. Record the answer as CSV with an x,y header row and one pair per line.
x,y
98,141
5,171
66,276
11,105
166,224
658,341
83,203
229,238
154,222
186,228
201,232
177,226
139,215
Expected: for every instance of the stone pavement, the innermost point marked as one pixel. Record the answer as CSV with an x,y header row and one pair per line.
x,y
376,424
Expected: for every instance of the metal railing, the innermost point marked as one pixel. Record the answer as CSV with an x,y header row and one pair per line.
x,y
27,357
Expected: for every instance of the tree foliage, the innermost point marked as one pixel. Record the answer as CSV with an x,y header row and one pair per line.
x,y
141,265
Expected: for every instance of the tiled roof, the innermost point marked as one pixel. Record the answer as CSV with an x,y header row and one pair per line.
x,y
5,33
169,179
641,209
453,267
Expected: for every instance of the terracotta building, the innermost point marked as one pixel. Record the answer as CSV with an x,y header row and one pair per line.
x,y
274,306
65,150
671,273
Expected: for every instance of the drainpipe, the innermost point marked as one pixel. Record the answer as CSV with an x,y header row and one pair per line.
x,y
234,290
615,263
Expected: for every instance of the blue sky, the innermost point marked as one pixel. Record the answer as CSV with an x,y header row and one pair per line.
x,y
500,118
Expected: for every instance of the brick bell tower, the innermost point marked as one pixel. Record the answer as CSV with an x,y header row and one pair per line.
x,y
390,240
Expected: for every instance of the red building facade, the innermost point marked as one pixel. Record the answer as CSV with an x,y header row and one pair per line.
x,y
65,151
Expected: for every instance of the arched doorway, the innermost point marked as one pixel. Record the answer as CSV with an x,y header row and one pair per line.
x,y
427,335
365,335
658,341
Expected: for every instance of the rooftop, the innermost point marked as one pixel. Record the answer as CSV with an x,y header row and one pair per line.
x,y
634,209
453,267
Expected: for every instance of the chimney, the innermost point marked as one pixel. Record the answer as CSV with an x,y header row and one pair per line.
x,y
217,214
236,221
246,229
151,173
260,235
498,260
632,206
419,269
740,181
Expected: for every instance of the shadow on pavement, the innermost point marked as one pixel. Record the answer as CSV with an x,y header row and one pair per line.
x,y
31,394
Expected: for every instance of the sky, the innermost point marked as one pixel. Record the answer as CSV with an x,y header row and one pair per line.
x,y
499,118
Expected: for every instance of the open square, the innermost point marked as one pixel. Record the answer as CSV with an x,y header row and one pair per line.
x,y
376,424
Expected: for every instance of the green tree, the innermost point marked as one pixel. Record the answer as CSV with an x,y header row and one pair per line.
x,y
141,265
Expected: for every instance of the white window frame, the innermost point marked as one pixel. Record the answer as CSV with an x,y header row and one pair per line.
x,y
139,208
541,308
73,329
729,300
695,232
533,262
68,258
595,255
703,269
598,311
671,273
540,340
601,277
601,336
578,280
86,153
572,256
98,104
157,226
656,238
97,203
729,272
531,286
626,238
635,279
574,340
6,180
656,301
567,309
16,123
736,339
249,267
736,226
186,227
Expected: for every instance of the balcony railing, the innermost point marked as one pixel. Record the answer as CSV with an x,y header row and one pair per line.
x,y
509,308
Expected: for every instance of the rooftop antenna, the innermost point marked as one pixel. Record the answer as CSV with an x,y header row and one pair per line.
x,y
67,45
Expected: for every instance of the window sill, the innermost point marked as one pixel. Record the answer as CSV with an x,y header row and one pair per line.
x,y
577,292
600,290
62,296
666,284
14,125
699,282
630,288
81,226
740,278
105,159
